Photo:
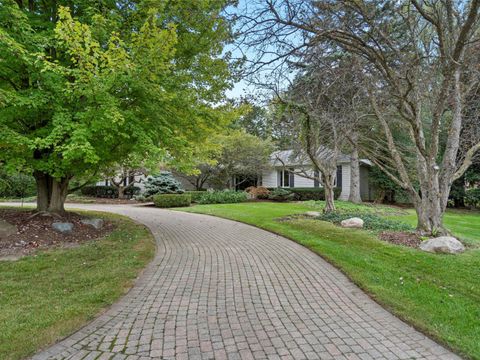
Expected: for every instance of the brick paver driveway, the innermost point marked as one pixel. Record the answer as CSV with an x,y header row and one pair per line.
x,y
218,289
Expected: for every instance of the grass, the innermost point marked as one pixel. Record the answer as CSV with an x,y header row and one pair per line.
x,y
48,296
438,294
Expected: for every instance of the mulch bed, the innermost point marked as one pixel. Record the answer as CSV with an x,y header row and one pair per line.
x,y
37,232
401,238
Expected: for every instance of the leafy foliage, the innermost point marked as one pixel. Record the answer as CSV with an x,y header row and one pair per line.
x,y
280,194
195,195
172,200
83,87
222,197
163,183
371,221
472,197
103,191
305,194
238,154
17,185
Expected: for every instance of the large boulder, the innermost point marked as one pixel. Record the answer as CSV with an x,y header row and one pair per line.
x,y
6,229
443,244
313,214
63,227
354,222
96,223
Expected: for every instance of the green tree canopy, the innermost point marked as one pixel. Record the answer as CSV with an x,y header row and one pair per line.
x,y
85,85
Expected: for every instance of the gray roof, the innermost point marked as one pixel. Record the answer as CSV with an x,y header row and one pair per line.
x,y
295,158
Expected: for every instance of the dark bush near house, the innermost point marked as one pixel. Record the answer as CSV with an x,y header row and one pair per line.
x,y
280,194
371,221
222,197
304,194
17,186
195,195
163,183
472,197
109,192
172,200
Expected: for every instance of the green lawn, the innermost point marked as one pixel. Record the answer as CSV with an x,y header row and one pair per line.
x,y
439,294
50,295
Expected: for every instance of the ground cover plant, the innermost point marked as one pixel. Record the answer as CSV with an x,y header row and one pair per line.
x,y
438,294
50,295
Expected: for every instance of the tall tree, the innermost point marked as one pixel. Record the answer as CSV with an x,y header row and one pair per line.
x,y
422,63
83,85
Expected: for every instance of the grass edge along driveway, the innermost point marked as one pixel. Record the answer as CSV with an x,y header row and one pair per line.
x,y
438,294
50,295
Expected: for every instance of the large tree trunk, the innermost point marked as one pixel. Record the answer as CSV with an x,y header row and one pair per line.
x,y
51,193
121,191
429,208
44,186
328,185
355,176
59,195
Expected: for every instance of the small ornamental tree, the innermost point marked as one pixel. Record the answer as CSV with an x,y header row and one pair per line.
x,y
163,183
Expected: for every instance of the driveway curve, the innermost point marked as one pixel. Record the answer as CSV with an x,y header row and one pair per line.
x,y
219,289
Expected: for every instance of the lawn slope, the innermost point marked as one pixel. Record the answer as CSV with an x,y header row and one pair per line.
x,y
50,295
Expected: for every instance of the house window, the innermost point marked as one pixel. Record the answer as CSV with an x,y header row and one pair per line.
x,y
285,178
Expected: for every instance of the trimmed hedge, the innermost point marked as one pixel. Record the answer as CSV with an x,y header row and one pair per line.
x,y
304,194
196,195
223,197
111,192
172,200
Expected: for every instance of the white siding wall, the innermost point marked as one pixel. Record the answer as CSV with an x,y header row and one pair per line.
x,y
269,178
300,181
345,182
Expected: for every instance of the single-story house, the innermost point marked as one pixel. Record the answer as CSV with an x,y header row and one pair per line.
x,y
285,164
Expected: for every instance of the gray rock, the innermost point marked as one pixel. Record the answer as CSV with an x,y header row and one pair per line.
x,y
63,227
354,222
96,223
312,214
443,244
6,229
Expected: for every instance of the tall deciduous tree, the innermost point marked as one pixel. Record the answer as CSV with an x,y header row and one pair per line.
x,y
422,65
85,84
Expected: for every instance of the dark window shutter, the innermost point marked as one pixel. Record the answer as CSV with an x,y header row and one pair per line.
x,y
339,176
279,178
291,179
316,175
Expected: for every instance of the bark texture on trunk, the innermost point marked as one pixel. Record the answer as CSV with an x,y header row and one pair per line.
x,y
355,196
51,193
328,185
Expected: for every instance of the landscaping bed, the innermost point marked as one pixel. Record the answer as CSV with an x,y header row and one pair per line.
x,y
37,232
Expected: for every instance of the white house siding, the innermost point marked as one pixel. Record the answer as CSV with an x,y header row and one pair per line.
x,y
345,182
269,178
302,182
